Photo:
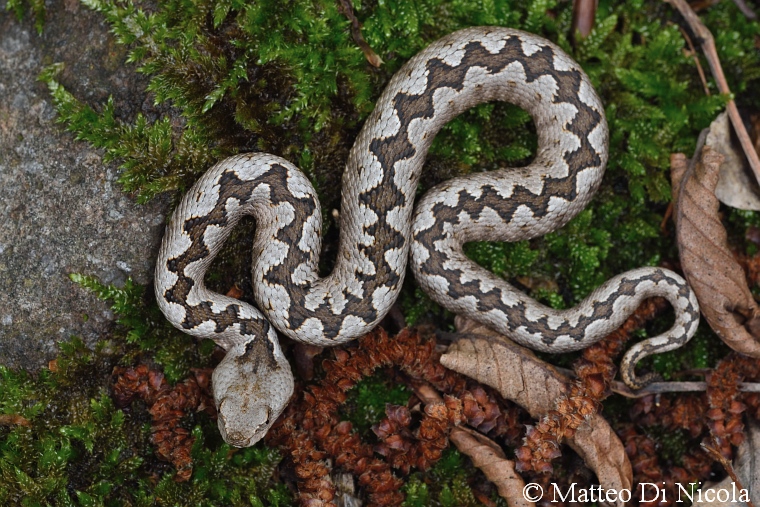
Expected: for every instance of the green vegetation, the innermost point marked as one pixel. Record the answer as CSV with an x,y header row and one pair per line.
x,y
76,448
286,77
35,7
446,485
366,401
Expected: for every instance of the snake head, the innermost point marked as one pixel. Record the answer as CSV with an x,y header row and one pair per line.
x,y
252,386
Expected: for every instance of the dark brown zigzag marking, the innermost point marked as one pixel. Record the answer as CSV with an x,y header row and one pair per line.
x,y
389,151
230,187
409,107
282,274
387,195
515,315
568,89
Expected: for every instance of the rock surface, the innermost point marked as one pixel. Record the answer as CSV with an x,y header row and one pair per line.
x,y
61,211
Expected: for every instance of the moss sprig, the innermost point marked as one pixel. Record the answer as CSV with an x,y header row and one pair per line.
x,y
35,7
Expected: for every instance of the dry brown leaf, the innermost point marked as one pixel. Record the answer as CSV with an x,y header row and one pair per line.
x,y
14,420
708,264
736,187
747,469
304,357
707,42
535,385
485,454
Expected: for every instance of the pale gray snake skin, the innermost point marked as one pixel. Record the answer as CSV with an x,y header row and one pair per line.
x,y
253,383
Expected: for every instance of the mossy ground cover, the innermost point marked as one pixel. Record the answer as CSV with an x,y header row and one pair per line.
x,y
287,78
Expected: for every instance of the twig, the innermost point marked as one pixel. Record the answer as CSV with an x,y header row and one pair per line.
x,y
711,54
713,451
356,32
746,10
694,55
584,12
665,218
675,387
620,388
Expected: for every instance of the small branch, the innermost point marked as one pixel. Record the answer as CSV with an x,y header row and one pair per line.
x,y
711,54
746,9
584,12
675,387
694,55
620,388
713,451
356,32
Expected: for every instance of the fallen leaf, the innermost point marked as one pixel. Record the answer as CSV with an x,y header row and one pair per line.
x,y
708,264
304,354
14,420
736,187
747,469
535,385
485,454
235,292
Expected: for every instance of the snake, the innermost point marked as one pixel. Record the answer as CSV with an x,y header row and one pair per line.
x,y
382,233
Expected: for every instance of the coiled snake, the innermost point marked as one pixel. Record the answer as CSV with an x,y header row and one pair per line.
x,y
253,383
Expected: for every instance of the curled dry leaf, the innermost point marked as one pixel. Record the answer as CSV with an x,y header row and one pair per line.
x,y
746,468
708,264
485,454
736,187
707,42
535,385
304,358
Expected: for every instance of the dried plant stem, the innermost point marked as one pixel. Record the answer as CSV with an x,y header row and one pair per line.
x,y
356,32
712,451
746,10
674,387
711,54
584,12
694,55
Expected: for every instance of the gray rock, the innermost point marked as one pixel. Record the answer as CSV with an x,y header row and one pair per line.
x,y
61,211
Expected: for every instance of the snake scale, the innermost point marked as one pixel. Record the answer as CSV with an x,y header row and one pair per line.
x,y
379,233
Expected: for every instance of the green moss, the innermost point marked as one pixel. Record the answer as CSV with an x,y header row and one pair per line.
x,y
35,7
366,401
229,76
76,445
417,493
674,444
445,484
143,325
78,449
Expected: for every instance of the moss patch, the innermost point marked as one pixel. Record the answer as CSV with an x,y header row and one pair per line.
x,y
287,78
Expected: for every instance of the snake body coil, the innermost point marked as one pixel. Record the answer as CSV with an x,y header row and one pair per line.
x,y
253,383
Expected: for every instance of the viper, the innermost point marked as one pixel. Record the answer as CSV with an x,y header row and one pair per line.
x,y
380,230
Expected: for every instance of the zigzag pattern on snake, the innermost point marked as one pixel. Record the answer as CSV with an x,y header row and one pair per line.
x,y
253,383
